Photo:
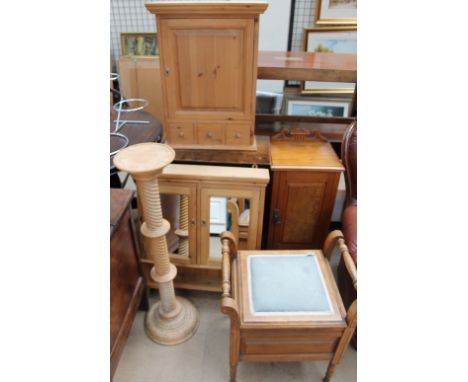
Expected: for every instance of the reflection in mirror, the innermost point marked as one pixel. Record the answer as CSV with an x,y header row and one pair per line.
x,y
175,209
228,214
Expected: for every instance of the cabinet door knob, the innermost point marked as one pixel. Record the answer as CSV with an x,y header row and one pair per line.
x,y
237,135
203,221
276,217
167,71
193,221
181,134
210,134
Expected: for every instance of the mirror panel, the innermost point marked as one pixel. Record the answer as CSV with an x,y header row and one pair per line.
x,y
228,214
175,208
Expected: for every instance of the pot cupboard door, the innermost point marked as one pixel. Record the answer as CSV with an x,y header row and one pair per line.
x,y
302,204
208,68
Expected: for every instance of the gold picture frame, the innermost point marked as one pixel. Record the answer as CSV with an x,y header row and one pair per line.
x,y
336,12
339,39
144,44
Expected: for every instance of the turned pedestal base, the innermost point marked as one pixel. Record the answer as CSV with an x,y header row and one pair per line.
x,y
173,330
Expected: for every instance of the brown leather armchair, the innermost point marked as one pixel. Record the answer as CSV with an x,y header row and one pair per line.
x,y
349,218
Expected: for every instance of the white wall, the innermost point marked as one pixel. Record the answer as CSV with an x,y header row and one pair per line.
x,y
274,29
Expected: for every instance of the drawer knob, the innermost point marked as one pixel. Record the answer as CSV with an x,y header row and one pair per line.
x,y
210,134
181,134
237,135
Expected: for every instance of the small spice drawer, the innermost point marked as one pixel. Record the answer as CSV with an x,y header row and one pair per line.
x,y
210,134
237,135
181,133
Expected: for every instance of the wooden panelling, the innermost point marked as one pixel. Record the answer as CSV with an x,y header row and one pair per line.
x,y
206,75
287,346
140,77
304,203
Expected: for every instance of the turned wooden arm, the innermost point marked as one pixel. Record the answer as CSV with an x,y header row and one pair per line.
x,y
332,239
229,251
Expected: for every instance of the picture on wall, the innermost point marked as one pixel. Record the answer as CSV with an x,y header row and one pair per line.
x,y
139,44
336,12
317,106
330,40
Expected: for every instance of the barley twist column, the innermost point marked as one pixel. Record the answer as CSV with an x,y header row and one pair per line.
x,y
171,320
182,232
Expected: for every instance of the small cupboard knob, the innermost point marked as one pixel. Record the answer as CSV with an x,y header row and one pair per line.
x,y
210,134
238,135
181,134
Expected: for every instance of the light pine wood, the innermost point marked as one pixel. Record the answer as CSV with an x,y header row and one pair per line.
x,y
169,321
209,63
234,175
163,7
189,192
199,183
305,66
140,77
283,338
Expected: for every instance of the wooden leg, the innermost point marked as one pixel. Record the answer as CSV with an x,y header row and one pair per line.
x,y
234,346
233,372
343,343
330,371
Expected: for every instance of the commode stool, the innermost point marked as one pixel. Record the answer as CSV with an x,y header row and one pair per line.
x,y
285,305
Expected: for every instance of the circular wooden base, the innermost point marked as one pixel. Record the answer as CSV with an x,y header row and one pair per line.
x,y
175,330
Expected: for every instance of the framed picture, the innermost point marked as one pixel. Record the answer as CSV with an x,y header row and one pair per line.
x,y
317,106
336,12
139,44
330,40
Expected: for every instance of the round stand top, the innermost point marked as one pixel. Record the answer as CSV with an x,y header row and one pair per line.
x,y
144,158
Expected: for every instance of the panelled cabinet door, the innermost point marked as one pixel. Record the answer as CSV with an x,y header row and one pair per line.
x,y
302,204
208,68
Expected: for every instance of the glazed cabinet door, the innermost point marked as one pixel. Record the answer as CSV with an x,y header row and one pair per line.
x,y
234,210
301,208
208,68
179,207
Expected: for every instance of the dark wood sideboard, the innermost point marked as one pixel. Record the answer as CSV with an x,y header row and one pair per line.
x,y
127,289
